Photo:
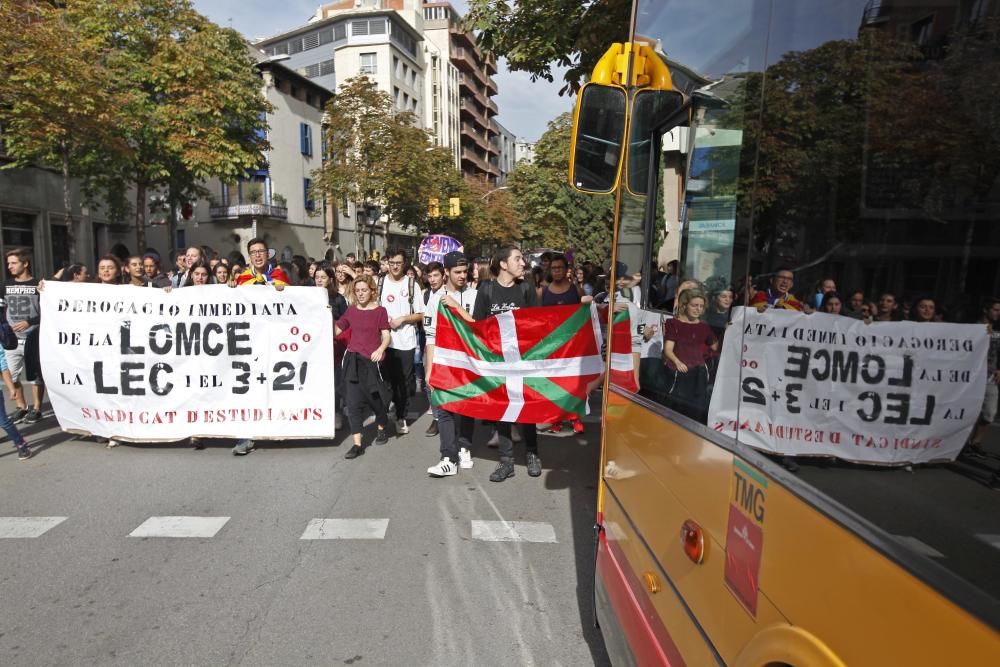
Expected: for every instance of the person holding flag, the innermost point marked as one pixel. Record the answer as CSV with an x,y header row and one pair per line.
x,y
509,292
261,271
454,430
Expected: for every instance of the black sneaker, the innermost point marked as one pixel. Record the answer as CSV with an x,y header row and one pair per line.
x,y
432,430
33,417
18,415
503,470
534,465
23,452
354,452
381,438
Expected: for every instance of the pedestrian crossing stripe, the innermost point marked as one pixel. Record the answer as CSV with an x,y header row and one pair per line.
x,y
513,531
180,526
345,529
28,526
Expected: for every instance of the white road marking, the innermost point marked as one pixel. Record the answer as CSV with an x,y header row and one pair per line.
x,y
345,529
28,526
180,526
513,531
992,540
918,546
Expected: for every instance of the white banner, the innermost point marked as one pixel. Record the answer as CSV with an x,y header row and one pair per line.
x,y
889,392
146,365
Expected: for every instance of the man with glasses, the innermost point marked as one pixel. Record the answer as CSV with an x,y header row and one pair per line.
x,y
779,294
260,272
402,298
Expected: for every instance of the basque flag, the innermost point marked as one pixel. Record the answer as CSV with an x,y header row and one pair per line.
x,y
530,365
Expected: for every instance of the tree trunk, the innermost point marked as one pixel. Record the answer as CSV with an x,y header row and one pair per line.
x,y
140,217
68,207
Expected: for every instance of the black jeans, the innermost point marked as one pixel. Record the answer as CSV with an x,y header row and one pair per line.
x,y
528,432
357,397
398,369
455,432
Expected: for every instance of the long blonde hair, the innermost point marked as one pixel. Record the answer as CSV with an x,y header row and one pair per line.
x,y
367,280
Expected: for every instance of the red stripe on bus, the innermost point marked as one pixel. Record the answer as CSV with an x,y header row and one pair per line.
x,y
648,638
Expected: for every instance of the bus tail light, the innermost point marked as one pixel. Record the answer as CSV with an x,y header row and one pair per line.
x,y
693,541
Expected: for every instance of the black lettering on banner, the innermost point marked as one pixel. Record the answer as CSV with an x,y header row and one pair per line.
x,y
129,379
99,385
236,333
845,367
210,349
876,407
154,379
155,345
867,375
243,378
798,362
792,398
188,340
752,391
125,335
284,380
822,355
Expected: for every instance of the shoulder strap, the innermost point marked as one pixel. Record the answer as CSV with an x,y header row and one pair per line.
x,y
526,291
410,286
486,289
378,287
427,296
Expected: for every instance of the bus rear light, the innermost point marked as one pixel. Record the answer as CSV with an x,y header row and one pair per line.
x,y
693,541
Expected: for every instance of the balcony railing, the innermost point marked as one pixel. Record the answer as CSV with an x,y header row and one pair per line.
x,y
491,108
469,107
248,210
471,156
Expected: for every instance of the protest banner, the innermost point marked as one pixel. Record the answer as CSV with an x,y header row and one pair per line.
x,y
434,247
887,393
149,365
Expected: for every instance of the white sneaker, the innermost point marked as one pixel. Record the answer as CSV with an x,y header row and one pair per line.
x,y
401,427
444,468
465,458
494,441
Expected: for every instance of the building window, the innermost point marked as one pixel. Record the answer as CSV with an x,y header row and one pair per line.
x,y
306,196
377,27
295,46
359,28
326,36
305,139
326,67
369,64
340,31
310,71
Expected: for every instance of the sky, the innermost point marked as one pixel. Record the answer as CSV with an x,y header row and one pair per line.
x,y
525,107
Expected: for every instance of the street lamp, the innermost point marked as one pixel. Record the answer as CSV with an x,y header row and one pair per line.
x,y
502,187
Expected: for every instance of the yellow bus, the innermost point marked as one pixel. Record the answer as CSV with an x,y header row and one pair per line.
x,y
798,464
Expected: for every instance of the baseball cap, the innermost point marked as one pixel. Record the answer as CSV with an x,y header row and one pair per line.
x,y
455,258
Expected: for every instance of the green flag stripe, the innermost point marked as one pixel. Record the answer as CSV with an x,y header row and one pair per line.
x,y
556,394
562,333
478,387
619,317
465,333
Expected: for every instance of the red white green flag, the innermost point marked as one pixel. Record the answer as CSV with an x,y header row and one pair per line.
x,y
530,365
622,361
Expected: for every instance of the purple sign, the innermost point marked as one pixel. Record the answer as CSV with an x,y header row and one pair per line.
x,y
434,247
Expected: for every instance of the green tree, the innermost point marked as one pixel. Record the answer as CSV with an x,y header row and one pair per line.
x,y
379,157
550,212
59,102
535,34
195,110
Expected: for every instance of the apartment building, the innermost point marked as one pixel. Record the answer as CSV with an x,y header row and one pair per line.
x,y
479,152
507,160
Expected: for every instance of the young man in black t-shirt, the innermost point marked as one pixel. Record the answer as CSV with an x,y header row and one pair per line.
x,y
509,292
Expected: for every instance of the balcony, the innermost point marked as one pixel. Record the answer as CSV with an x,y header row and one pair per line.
x,y
491,108
464,59
492,148
493,127
470,134
472,158
249,211
491,87
490,65
470,108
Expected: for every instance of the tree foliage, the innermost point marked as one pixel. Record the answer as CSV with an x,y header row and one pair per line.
x,y
535,34
167,98
378,157
550,212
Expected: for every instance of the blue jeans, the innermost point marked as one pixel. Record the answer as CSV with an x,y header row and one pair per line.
x,y
8,426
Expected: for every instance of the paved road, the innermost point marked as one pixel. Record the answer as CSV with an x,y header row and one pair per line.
x,y
422,588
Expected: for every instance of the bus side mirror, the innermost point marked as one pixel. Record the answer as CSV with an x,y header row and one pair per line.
x,y
599,138
659,109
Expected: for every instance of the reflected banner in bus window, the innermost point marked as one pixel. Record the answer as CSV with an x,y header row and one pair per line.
x,y
889,392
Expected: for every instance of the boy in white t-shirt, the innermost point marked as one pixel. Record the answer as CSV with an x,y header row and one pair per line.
x,y
402,297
